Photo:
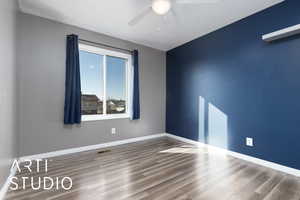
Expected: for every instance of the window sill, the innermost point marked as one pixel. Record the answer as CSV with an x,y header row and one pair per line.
x,y
88,118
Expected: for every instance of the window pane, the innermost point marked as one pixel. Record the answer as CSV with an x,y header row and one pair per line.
x,y
116,85
91,70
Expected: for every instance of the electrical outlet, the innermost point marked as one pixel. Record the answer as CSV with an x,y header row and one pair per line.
x,y
113,131
249,142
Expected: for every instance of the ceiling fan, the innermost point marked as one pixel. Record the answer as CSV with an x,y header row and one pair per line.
x,y
162,7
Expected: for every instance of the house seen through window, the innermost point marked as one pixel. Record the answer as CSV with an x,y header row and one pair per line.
x,y
104,83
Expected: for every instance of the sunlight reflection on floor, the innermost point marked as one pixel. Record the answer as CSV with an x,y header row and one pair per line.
x,y
201,149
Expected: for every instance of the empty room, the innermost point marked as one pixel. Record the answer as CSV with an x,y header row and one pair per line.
x,y
150,100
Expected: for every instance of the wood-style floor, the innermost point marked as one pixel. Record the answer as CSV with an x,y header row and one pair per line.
x,y
162,169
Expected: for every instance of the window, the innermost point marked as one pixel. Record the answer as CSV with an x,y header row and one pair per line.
x,y
105,87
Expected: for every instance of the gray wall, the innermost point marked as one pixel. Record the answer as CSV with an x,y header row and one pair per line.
x,y
41,62
8,130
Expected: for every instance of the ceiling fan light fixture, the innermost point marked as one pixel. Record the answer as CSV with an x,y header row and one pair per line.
x,y
161,7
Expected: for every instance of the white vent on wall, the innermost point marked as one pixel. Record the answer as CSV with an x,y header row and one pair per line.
x,y
283,33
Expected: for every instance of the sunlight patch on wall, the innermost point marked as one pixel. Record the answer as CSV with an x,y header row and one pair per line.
x,y
217,127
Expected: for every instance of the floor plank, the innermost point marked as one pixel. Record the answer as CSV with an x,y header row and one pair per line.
x,y
162,169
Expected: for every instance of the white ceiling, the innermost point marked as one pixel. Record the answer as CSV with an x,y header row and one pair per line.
x,y
111,17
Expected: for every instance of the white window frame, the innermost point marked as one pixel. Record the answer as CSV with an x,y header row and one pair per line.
x,y
129,72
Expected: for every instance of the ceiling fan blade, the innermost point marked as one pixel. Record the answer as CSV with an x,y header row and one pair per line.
x,y
140,16
171,19
173,12
173,15
196,1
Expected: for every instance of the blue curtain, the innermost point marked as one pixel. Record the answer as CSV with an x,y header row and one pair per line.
x,y
136,88
72,109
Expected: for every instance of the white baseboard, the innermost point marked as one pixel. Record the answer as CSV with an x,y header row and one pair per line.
x,y
258,161
88,148
5,186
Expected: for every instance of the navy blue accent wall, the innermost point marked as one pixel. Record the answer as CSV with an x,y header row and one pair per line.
x,y
229,85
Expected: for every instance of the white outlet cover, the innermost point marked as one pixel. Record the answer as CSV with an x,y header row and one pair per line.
x,y
249,142
113,131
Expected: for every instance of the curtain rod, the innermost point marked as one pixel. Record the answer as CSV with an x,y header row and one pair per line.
x,y
105,45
